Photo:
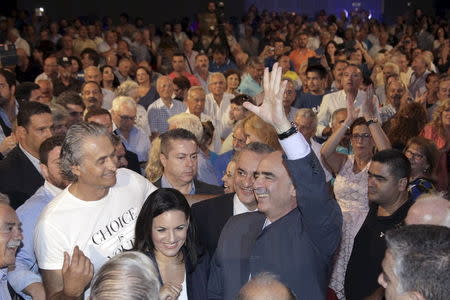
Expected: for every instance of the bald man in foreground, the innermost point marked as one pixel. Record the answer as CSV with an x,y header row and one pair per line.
x,y
265,286
429,209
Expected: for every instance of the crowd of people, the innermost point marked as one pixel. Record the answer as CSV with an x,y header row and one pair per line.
x,y
276,157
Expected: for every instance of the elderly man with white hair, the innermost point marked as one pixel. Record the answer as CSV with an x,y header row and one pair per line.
x,y
217,105
19,43
123,114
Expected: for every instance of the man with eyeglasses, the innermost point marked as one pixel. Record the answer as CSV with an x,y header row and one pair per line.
x,y
123,115
288,99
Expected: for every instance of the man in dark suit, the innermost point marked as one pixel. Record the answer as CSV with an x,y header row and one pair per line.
x,y
211,215
297,227
179,153
20,175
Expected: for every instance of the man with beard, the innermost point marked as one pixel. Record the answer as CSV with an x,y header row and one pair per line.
x,y
202,70
25,278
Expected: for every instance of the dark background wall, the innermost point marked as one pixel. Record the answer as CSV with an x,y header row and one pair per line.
x,y
159,11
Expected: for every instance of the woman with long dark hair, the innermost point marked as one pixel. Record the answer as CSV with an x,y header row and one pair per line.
x,y
164,231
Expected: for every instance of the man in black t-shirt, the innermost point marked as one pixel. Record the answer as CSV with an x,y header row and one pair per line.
x,y
389,203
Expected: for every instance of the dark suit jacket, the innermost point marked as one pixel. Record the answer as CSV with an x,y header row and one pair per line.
x,y
19,179
298,247
209,217
200,187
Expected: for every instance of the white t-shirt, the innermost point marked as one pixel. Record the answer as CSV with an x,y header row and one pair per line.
x,y
101,229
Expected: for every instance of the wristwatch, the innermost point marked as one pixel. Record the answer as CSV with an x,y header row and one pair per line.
x,y
288,132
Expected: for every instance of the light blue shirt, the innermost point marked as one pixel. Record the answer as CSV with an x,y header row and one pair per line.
x,y
138,142
26,271
158,113
205,171
166,184
4,292
249,86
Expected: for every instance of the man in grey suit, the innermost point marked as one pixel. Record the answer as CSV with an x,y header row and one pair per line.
x,y
298,227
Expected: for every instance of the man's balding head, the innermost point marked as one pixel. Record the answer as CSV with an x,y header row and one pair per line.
x,y
265,286
429,209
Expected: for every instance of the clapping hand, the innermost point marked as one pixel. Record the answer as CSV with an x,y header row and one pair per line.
x,y
271,110
169,291
77,273
368,107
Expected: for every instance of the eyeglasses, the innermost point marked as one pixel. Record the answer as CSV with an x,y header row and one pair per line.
x,y
75,113
238,139
289,92
127,118
356,136
417,156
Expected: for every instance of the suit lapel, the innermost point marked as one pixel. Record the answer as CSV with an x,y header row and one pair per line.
x,y
247,243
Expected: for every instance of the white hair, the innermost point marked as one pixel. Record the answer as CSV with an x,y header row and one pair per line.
x,y
120,101
127,276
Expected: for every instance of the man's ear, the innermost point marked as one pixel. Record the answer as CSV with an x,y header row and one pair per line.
x,y
292,191
163,159
414,295
76,170
20,132
44,170
402,184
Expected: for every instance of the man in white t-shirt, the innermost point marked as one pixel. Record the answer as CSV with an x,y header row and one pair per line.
x,y
94,217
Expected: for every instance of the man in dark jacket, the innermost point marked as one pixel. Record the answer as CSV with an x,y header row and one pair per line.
x,y
298,226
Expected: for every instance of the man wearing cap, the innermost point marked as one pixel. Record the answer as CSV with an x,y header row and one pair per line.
x,y
65,81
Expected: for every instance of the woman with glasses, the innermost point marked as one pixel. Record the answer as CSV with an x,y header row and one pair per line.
x,y
423,155
351,172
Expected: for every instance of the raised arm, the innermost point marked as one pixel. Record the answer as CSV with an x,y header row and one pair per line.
x,y
321,215
379,137
272,110
333,159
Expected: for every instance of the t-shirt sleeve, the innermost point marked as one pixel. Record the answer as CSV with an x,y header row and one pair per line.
x,y
49,246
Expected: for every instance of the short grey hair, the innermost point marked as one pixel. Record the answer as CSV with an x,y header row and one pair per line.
x,y
216,74
4,198
189,122
422,259
128,276
256,147
71,149
120,101
125,88
195,88
59,112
